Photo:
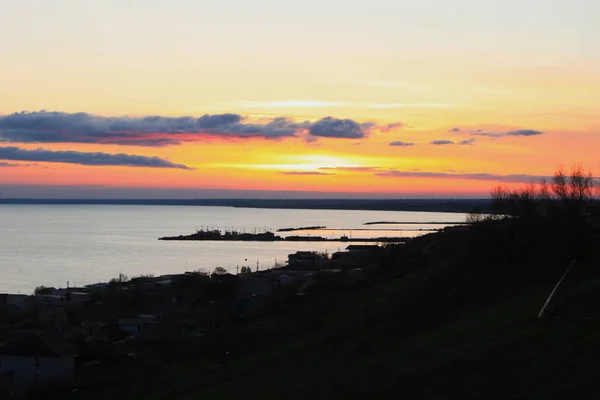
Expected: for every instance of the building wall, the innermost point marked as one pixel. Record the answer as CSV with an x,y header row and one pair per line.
x,y
49,368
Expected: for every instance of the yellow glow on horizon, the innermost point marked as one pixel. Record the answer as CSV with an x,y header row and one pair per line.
x,y
306,162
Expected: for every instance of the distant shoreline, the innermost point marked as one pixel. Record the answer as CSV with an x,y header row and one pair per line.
x,y
409,223
418,205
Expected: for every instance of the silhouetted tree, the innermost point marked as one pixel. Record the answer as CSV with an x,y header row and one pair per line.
x,y
42,290
220,271
547,222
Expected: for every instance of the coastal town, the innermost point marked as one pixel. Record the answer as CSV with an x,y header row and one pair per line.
x,y
369,321
75,338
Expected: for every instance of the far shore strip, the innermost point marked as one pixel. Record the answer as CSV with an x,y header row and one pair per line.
x,y
413,223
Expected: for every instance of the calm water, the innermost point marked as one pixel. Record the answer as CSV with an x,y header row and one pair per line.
x,y
52,244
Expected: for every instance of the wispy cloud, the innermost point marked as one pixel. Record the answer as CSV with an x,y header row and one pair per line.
x,y
519,132
305,173
481,132
323,104
441,142
351,169
448,174
517,178
7,164
85,158
387,84
466,142
290,103
445,142
401,144
392,126
409,105
405,86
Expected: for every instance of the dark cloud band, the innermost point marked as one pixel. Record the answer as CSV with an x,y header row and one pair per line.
x,y
451,142
84,158
517,178
448,174
60,127
401,144
481,132
330,127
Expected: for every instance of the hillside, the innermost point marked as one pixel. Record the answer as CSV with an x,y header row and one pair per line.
x,y
435,324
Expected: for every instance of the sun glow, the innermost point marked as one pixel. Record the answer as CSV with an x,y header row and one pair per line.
x,y
303,163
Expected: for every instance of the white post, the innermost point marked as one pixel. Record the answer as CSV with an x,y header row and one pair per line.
x,y
540,315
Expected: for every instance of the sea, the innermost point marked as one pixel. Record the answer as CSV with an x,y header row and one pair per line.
x,y
75,245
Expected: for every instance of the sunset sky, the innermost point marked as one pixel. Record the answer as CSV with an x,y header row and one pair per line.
x,y
405,98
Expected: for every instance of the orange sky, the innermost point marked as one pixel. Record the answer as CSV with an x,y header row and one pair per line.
x,y
516,96
326,164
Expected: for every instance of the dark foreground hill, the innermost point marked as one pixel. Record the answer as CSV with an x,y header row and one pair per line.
x,y
446,317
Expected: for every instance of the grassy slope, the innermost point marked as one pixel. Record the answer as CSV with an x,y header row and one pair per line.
x,y
365,348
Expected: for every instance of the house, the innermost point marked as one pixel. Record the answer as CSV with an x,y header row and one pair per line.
x,y
49,300
362,249
75,297
29,358
306,256
341,255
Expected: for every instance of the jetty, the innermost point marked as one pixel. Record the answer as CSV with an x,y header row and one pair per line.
x,y
204,234
302,228
234,236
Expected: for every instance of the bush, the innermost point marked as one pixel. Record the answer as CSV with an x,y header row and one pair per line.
x,y
122,278
42,290
537,230
220,271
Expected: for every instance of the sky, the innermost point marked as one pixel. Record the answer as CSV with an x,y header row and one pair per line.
x,y
366,98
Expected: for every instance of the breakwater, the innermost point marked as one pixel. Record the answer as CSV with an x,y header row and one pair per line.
x,y
217,235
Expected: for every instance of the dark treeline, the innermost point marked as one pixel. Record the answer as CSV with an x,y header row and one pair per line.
x,y
563,213
529,239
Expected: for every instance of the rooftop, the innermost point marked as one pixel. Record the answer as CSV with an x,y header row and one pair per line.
x,y
362,247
